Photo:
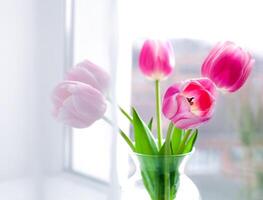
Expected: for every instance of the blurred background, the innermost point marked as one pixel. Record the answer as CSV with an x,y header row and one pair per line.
x,y
41,159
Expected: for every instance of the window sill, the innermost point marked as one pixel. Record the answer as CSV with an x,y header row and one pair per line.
x,y
63,186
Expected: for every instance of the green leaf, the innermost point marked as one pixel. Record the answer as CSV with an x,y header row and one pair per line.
x,y
126,114
176,139
148,183
150,124
183,142
191,142
127,139
144,141
166,147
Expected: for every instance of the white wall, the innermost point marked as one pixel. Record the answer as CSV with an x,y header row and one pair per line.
x,y
49,62
31,60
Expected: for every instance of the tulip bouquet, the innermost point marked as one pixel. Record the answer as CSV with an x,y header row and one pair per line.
x,y
80,100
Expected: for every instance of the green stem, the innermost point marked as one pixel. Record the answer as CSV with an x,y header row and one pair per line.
x,y
158,113
166,162
166,182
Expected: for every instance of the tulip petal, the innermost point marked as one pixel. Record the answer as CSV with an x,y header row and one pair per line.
x,y
156,59
170,106
103,77
206,67
82,75
227,66
191,122
245,74
91,74
78,104
69,115
165,58
172,90
190,103
59,94
147,57
184,109
208,85
88,101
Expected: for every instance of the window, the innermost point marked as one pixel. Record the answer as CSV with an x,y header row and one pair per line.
x,y
91,152
90,148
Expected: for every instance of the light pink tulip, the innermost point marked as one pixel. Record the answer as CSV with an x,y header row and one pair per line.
x,y
228,66
189,104
156,59
91,74
77,104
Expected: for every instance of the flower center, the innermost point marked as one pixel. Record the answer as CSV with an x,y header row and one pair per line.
x,y
190,100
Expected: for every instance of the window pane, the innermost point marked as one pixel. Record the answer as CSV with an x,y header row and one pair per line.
x,y
91,150
91,147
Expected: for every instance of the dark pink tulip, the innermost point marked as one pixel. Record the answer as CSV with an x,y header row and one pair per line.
x,y
91,74
156,59
228,66
189,104
77,104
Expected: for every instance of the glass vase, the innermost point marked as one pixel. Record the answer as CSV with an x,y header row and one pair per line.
x,y
160,178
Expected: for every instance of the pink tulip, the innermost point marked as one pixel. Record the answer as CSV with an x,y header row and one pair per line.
x,y
156,59
78,104
91,74
228,66
189,104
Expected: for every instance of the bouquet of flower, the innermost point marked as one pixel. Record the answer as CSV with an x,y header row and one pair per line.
x,y
80,100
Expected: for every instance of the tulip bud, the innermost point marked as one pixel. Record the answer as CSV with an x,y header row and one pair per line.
x,y
156,59
228,66
91,74
77,104
189,104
